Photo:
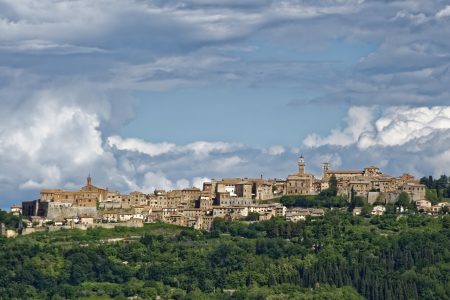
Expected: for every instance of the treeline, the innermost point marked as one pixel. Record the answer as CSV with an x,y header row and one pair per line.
x,y
437,189
335,257
314,201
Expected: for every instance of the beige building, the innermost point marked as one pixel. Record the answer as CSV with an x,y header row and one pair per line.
x,y
415,190
233,212
244,189
174,199
372,180
300,183
16,210
234,201
205,202
190,196
192,212
252,188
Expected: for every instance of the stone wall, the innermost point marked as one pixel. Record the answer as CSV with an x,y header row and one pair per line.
x,y
57,211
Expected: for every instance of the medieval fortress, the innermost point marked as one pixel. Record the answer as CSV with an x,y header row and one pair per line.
x,y
231,198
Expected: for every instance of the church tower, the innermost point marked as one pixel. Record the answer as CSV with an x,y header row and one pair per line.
x,y
89,180
301,165
325,167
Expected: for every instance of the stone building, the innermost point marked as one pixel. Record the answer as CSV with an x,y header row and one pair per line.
x,y
232,212
300,183
234,201
113,201
244,189
174,199
16,209
57,204
190,196
252,188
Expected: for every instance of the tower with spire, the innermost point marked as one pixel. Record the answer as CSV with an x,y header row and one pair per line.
x,y
300,183
89,180
325,168
301,165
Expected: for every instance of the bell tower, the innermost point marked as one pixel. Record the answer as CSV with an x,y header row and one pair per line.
x,y
325,167
301,165
89,180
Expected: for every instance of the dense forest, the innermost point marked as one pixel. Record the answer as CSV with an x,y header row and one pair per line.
x,y
335,257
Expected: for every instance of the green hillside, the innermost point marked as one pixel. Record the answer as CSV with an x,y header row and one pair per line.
x,y
335,257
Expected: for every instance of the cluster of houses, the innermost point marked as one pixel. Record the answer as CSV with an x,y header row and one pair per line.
x,y
232,198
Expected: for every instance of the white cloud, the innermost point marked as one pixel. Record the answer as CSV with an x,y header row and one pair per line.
x,y
138,145
276,150
46,47
154,181
198,181
200,148
400,125
359,121
203,148
445,12
399,139
395,126
47,144
227,164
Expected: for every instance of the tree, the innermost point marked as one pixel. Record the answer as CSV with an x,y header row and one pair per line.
x,y
333,184
360,201
220,225
366,210
424,181
431,196
252,216
404,200
430,182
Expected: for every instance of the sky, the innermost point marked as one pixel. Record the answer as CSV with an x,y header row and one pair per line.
x,y
168,94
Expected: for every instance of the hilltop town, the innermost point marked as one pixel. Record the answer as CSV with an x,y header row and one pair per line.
x,y
253,199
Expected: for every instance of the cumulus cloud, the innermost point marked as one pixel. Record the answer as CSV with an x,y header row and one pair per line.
x,y
394,127
400,125
359,121
48,143
396,138
48,140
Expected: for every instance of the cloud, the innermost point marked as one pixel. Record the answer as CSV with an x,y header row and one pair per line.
x,y
200,148
443,13
161,45
396,138
55,137
400,125
359,121
198,181
276,150
395,126
138,145
69,70
48,143
46,47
